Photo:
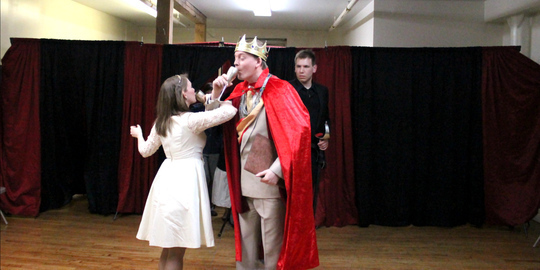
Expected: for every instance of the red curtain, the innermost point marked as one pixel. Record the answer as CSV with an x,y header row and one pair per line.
x,y
20,146
142,73
511,132
511,126
336,205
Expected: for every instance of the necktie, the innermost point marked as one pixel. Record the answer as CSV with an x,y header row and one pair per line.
x,y
249,100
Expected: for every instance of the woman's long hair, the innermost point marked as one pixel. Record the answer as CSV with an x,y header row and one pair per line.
x,y
170,102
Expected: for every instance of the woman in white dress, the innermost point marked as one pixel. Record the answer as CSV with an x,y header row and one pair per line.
x,y
177,211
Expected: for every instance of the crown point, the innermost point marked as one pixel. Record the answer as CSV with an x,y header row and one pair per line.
x,y
252,47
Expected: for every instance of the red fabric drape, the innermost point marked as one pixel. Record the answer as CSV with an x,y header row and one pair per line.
x,y
291,135
511,126
336,205
142,73
20,157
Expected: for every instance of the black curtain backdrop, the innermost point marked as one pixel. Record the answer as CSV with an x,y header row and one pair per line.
x,y
417,129
280,61
415,113
200,62
81,112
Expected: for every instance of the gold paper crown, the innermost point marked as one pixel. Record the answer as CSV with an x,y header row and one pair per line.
x,y
252,48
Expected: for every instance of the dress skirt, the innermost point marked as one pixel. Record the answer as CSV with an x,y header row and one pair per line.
x,y
177,210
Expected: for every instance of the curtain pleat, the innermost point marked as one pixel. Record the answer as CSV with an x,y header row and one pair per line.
x,y
81,108
414,130
201,63
142,73
20,156
417,136
511,109
281,62
336,205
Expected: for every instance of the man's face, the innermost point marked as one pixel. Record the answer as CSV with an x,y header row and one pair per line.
x,y
304,70
247,65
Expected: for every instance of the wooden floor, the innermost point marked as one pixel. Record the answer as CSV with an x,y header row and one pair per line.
x,y
71,238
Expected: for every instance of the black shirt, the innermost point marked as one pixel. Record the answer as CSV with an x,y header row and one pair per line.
x,y
316,101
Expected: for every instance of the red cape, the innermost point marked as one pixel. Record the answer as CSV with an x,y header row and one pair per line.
x,y
288,121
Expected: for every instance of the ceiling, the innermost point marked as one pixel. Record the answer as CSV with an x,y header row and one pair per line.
x,y
286,14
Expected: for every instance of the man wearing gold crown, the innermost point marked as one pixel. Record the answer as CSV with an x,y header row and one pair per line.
x,y
268,204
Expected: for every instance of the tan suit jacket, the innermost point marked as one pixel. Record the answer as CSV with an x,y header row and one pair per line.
x,y
251,185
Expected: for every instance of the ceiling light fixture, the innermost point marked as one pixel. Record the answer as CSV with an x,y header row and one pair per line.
x,y
143,6
262,8
342,15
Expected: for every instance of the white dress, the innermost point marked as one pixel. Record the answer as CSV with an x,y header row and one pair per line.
x,y
177,210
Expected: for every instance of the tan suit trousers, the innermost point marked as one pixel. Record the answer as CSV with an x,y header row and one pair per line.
x,y
264,219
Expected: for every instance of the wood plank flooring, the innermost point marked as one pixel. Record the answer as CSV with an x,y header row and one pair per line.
x,y
72,238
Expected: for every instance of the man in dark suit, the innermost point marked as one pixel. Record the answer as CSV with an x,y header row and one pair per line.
x,y
315,98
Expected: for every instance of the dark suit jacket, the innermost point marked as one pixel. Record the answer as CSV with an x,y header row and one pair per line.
x,y
322,114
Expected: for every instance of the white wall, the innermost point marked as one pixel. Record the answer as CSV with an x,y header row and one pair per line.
x,y
417,23
67,19
528,34
529,41
389,23
500,9
59,19
434,24
535,39
295,38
